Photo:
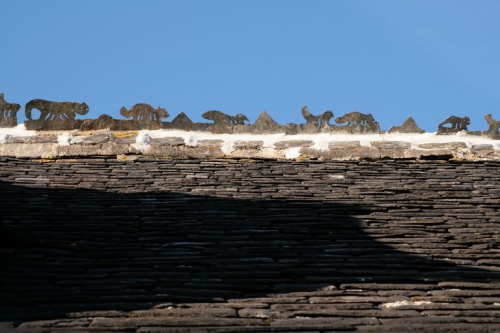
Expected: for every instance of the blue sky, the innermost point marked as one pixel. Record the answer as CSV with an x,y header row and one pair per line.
x,y
427,59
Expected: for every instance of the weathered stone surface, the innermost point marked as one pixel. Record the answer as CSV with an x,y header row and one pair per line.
x,y
264,313
256,144
430,327
342,154
193,312
32,139
344,144
391,144
223,245
170,141
209,143
265,124
92,139
181,121
409,126
126,137
324,323
482,147
117,323
107,149
104,143
183,151
442,145
33,150
59,323
293,143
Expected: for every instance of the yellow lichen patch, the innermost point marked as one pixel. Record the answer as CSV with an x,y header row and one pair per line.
x,y
464,154
126,158
121,135
69,160
47,156
301,158
244,159
45,159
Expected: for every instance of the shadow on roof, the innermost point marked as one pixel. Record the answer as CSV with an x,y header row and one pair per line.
x,y
93,250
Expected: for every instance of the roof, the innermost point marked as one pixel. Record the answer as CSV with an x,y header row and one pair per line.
x,y
462,145
150,244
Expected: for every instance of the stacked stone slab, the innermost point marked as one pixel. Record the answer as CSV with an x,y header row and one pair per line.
x,y
132,144
147,244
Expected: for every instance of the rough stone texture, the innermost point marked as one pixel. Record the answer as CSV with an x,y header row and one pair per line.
x,y
266,124
344,144
256,144
143,244
32,139
482,147
180,121
391,145
340,154
89,143
442,145
409,126
293,143
210,143
35,150
171,141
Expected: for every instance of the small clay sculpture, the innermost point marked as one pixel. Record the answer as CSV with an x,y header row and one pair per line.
x,y
356,118
54,115
320,120
55,111
493,125
220,118
457,123
144,113
8,112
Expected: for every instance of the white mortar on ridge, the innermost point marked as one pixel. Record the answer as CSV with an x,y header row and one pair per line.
x,y
321,141
142,141
19,130
4,138
64,139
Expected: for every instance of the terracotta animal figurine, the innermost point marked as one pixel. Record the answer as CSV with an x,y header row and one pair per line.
x,y
144,112
55,111
320,120
492,123
356,118
457,123
8,110
224,119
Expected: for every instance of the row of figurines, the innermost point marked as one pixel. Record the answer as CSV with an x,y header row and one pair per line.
x,y
61,116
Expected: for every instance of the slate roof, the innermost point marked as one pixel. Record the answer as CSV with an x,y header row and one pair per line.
x,y
250,245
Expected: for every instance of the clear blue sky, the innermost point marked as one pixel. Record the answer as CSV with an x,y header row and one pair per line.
x,y
427,59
